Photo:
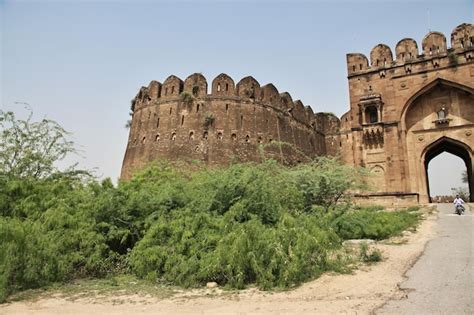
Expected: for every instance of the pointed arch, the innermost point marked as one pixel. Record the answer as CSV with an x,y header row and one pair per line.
x,y
427,88
455,147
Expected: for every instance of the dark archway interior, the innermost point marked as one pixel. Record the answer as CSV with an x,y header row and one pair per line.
x,y
455,148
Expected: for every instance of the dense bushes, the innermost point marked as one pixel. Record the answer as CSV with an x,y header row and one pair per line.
x,y
263,224
244,224
367,223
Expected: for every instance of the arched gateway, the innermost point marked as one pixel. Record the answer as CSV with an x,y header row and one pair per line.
x,y
454,147
406,112
438,118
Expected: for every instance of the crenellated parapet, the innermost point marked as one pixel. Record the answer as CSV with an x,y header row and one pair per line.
x,y
408,59
183,120
248,89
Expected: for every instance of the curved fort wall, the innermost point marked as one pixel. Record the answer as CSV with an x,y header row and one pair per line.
x,y
180,120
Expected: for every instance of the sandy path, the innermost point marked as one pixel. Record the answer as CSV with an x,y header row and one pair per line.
x,y
362,292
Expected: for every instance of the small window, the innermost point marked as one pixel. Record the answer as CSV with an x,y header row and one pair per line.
x,y
158,122
259,140
172,90
371,115
241,121
353,68
462,43
234,137
171,110
377,62
191,135
247,139
182,120
226,107
205,135
195,90
144,139
218,87
197,108
173,136
157,138
251,92
360,66
227,86
431,51
384,62
219,136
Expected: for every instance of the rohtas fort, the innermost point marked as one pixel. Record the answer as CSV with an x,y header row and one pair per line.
x,y
406,107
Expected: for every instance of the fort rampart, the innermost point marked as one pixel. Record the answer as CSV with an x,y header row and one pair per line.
x,y
180,120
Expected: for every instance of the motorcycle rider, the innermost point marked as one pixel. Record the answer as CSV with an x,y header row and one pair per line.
x,y
458,202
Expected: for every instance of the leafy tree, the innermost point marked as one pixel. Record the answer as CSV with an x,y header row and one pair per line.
x,y
30,149
464,177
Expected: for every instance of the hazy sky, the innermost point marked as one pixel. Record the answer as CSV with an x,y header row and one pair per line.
x,y
81,62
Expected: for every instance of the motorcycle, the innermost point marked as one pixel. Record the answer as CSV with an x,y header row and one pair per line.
x,y
459,209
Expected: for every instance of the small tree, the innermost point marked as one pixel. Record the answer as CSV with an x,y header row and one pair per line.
x,y
186,97
464,177
463,192
208,120
30,149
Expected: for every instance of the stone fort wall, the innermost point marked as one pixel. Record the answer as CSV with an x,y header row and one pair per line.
x,y
180,120
394,103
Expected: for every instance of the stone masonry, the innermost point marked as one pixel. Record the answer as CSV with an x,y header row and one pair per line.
x,y
405,109
180,120
408,108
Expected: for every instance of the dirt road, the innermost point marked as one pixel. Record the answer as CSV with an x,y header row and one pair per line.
x,y
442,281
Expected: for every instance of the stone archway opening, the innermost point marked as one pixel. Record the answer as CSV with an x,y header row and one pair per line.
x,y
455,148
445,173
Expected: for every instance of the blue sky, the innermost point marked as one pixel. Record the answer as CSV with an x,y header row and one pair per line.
x,y
81,62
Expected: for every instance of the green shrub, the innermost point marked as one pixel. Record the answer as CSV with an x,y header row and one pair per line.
x,y
413,208
370,208
209,120
369,256
367,224
192,250
186,97
57,248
